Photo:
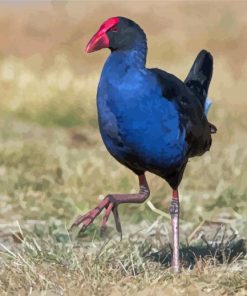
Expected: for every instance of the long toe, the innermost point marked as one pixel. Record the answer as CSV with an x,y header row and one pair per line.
x,y
89,217
85,220
117,221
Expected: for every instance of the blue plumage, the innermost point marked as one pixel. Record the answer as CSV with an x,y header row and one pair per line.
x,y
136,121
149,119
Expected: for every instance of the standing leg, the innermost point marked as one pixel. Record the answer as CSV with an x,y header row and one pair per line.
x,y
174,211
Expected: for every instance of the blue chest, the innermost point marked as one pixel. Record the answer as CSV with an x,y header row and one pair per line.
x,y
135,121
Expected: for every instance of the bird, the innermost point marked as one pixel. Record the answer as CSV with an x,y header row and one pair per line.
x,y
149,120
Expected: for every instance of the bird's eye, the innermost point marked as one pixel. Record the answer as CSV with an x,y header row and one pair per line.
x,y
114,29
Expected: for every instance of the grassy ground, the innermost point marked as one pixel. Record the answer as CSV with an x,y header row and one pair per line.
x,y
54,166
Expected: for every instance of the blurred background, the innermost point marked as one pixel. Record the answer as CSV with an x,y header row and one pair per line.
x,y
53,164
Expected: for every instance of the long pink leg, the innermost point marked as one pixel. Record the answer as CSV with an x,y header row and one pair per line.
x,y
174,212
111,202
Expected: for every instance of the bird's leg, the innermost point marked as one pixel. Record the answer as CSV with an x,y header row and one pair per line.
x,y
174,211
110,203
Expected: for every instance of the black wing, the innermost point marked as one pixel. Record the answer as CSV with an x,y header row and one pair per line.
x,y
191,111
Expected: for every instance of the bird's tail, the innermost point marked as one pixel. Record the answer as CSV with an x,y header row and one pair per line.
x,y
199,77
198,81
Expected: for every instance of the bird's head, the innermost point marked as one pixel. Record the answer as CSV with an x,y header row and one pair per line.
x,y
116,33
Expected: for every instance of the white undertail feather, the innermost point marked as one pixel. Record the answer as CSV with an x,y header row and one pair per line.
x,y
207,105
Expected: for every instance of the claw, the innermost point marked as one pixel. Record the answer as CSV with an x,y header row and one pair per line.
x,y
82,229
72,227
103,230
117,221
85,219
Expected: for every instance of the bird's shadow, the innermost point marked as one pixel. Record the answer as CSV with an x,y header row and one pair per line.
x,y
190,255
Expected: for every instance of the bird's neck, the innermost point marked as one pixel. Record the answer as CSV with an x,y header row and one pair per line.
x,y
134,57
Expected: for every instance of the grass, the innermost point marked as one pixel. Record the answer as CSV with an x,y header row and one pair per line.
x,y
51,261
53,164
49,175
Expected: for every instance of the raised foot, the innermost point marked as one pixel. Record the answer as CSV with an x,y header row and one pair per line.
x,y
85,220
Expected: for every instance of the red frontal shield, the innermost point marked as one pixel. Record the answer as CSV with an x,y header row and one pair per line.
x,y
100,39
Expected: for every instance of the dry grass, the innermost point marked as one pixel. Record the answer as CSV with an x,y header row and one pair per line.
x,y
49,260
53,164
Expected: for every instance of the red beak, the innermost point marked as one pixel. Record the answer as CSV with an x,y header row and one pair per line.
x,y
97,42
100,39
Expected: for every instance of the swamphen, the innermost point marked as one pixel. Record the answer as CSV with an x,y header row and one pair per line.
x,y
149,120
